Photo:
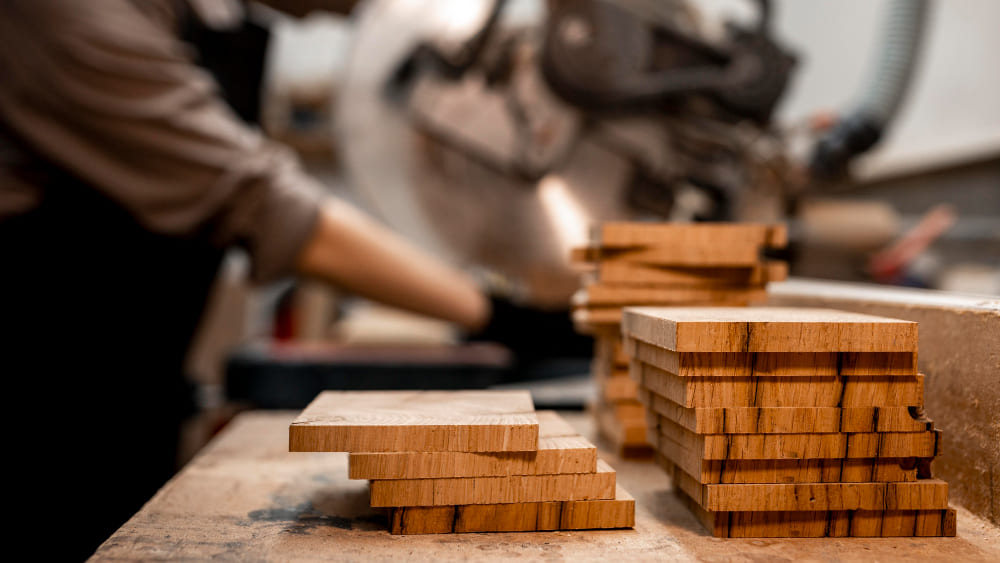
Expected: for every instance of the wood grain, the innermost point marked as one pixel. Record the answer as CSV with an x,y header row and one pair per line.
x,y
772,363
798,446
625,272
560,450
379,421
925,494
821,523
522,517
767,329
787,420
495,490
707,237
780,391
604,295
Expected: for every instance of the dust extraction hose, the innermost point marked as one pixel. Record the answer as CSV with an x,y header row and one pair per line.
x,y
862,128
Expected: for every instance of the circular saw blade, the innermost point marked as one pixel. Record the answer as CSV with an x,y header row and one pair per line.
x,y
453,205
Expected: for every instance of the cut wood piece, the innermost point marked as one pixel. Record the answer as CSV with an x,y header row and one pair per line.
x,y
597,320
925,494
625,272
560,450
798,446
524,517
788,420
708,238
820,523
767,329
780,391
608,350
495,490
619,388
623,433
380,421
631,411
601,295
772,363
861,470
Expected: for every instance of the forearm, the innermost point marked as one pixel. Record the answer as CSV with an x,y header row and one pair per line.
x,y
351,251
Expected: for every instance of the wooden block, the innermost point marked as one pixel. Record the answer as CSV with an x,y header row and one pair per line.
x,y
817,523
495,490
560,450
619,388
772,363
608,350
767,329
798,446
780,391
602,295
789,420
926,494
524,517
685,244
708,237
633,273
380,421
622,433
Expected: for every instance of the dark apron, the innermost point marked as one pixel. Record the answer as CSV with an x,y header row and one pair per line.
x,y
98,314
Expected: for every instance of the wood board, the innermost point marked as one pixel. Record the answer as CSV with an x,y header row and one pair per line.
x,y
798,446
560,450
925,494
379,421
820,523
767,329
633,273
772,363
495,490
787,420
604,295
524,517
705,237
780,391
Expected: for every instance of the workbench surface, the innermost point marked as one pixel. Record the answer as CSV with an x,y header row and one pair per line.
x,y
246,498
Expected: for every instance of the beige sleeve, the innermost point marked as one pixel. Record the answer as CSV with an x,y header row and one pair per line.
x,y
111,95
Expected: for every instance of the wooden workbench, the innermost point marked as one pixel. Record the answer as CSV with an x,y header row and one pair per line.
x,y
246,498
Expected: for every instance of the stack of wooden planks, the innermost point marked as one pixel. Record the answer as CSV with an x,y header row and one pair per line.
x,y
785,422
661,264
466,461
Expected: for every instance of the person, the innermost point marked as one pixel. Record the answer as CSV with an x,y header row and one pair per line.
x,y
124,177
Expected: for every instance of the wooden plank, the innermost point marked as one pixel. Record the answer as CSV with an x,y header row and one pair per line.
x,y
767,329
799,446
560,450
830,470
379,421
772,363
623,433
821,523
523,517
603,295
632,273
788,420
707,237
619,388
925,494
777,391
495,490
609,350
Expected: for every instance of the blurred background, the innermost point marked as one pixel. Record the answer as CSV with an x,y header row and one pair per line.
x,y
496,133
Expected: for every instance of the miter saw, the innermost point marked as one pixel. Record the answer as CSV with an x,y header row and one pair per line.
x,y
496,133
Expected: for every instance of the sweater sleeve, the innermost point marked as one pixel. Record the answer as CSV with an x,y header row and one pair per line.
x,y
112,96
